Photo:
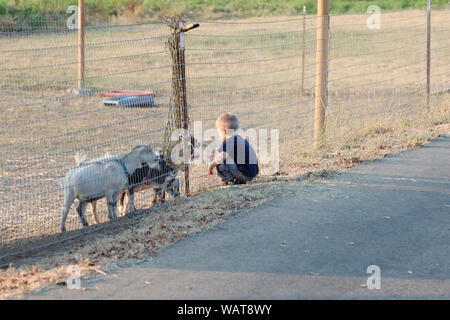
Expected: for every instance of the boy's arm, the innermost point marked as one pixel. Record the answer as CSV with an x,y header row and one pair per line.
x,y
218,159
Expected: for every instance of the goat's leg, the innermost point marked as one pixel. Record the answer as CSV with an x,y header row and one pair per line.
x,y
120,202
130,204
154,196
112,204
93,205
162,196
68,200
80,209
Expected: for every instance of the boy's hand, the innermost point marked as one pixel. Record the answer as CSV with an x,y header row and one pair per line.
x,y
211,168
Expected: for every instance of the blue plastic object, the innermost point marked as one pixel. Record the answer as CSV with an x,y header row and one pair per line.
x,y
130,101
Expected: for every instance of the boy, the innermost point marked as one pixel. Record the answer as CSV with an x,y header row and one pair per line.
x,y
236,161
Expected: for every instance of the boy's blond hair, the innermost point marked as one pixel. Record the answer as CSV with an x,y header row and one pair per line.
x,y
227,121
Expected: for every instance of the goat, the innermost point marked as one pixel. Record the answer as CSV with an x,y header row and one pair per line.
x,y
81,159
162,180
159,193
106,177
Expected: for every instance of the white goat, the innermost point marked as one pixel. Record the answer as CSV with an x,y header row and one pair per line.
x,y
81,159
106,177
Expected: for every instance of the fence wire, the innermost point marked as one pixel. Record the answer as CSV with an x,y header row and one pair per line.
x,y
251,68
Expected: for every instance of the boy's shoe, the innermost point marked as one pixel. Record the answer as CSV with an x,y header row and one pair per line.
x,y
232,182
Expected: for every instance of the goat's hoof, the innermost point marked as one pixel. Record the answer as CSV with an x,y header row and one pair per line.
x,y
63,229
85,224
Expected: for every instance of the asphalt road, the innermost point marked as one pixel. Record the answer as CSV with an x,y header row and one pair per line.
x,y
393,213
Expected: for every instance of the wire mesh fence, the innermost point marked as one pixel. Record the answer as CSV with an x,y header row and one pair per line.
x,y
263,70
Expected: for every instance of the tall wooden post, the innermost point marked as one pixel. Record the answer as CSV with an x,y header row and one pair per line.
x,y
185,111
321,70
428,51
81,26
303,49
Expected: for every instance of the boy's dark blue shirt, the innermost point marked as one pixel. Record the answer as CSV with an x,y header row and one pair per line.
x,y
242,153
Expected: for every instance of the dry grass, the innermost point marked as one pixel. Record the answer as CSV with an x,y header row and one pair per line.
x,y
377,136
376,107
141,237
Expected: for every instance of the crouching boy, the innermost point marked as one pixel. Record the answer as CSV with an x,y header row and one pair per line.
x,y
235,161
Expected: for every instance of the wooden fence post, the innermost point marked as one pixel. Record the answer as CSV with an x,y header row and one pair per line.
x,y
185,111
303,49
321,70
428,51
81,26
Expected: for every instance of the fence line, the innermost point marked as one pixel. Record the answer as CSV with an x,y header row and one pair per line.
x,y
251,68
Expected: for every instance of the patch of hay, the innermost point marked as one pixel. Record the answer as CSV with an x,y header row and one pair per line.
x,y
165,225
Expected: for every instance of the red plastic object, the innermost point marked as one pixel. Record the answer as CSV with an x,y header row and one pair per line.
x,y
119,93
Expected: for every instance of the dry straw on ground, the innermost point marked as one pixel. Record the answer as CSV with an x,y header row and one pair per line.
x,y
138,239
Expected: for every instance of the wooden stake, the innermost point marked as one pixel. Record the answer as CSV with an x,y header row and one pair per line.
x,y
81,26
428,51
303,49
321,70
185,111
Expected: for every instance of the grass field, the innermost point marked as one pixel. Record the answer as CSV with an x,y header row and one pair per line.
x,y
251,67
34,13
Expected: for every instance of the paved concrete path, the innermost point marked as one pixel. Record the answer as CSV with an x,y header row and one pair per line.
x,y
318,243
